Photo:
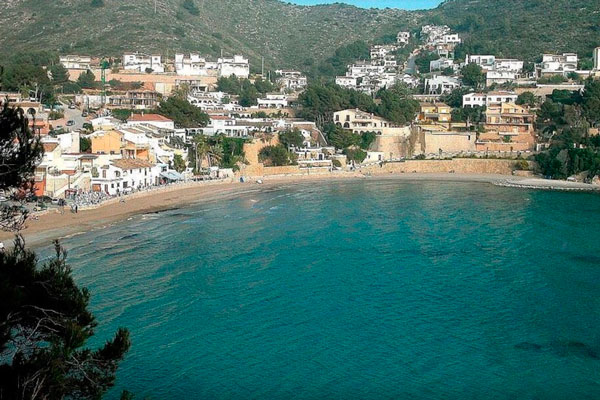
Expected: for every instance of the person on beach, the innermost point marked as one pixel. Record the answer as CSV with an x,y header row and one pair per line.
x,y
1,247
76,208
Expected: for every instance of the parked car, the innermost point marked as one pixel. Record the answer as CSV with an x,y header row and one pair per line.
x,y
84,114
70,122
55,201
3,199
71,106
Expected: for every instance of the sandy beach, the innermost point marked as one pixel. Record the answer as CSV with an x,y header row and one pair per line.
x,y
54,225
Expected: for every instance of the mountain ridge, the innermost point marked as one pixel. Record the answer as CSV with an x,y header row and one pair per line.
x,y
288,35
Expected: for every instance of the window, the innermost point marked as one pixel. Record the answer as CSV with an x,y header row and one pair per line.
x,y
104,173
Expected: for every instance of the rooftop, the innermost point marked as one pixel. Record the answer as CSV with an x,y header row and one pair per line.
x,y
131,163
148,117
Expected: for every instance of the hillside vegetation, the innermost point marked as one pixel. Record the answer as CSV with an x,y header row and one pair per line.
x,y
286,35
523,28
289,35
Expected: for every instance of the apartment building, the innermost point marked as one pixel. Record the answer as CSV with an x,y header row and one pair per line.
x,y
141,62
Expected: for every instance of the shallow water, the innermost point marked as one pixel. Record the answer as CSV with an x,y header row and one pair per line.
x,y
364,289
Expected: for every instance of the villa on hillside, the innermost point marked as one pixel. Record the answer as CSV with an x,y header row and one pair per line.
x,y
360,122
488,99
508,127
434,113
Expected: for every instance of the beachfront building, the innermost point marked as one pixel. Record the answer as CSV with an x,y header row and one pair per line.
x,y
508,127
225,125
435,141
124,175
359,121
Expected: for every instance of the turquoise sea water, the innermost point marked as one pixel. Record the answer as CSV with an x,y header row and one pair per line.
x,y
374,289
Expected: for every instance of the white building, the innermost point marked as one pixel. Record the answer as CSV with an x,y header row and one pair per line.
x,y
359,121
143,62
273,101
124,175
500,77
350,82
156,120
487,99
486,62
450,38
434,33
508,64
224,125
194,65
440,64
441,84
292,80
363,68
76,62
237,65
381,51
597,59
557,64
403,38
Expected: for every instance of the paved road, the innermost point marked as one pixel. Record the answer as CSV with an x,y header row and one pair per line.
x,y
411,68
75,115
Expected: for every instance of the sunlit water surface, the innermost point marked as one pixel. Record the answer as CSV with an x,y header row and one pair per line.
x,y
368,289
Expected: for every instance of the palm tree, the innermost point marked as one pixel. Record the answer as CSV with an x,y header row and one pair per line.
x,y
215,153
201,148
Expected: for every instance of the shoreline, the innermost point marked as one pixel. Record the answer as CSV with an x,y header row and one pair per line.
x,y
53,225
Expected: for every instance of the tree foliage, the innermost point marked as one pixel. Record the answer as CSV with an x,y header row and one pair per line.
x,y
526,99
473,75
44,320
275,156
178,163
20,152
184,114
87,80
45,325
190,7
565,120
291,137
423,59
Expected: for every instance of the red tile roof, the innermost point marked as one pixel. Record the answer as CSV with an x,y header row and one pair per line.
x,y
49,146
131,163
